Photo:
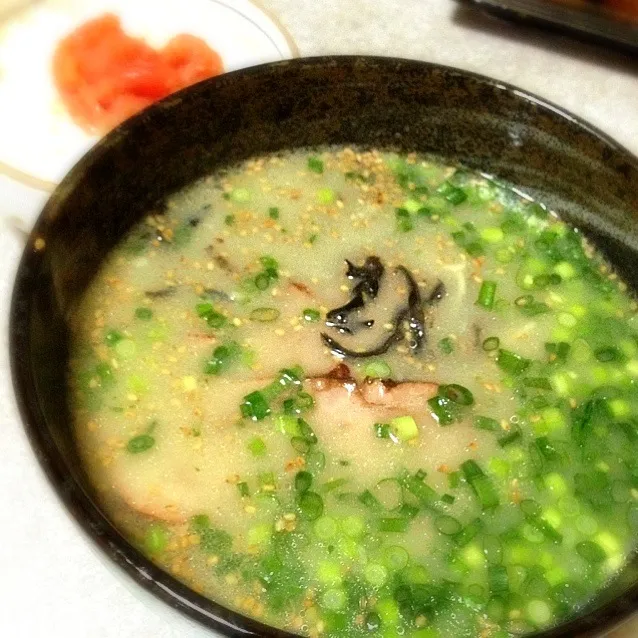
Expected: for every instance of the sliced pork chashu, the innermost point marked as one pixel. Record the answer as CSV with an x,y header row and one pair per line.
x,y
184,475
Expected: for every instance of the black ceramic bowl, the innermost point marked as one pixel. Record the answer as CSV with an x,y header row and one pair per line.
x,y
378,102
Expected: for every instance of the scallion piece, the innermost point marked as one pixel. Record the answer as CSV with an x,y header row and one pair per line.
x,y
491,343
395,525
256,446
395,557
610,354
303,481
446,345
264,315
404,428
468,532
145,314
382,430
404,220
486,423
480,483
538,383
512,436
452,193
447,525
310,505
557,352
591,552
311,315
511,362
368,499
457,394
443,410
497,578
112,337
487,294
140,443
255,406
378,369
273,212
243,488
315,165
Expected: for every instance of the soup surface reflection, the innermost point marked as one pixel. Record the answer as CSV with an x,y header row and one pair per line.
x,y
361,394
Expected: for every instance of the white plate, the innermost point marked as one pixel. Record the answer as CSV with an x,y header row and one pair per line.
x,y
38,140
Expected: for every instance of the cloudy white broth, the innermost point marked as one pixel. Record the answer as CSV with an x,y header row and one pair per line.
x,y
361,394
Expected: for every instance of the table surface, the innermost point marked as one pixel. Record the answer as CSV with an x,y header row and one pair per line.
x,y
52,582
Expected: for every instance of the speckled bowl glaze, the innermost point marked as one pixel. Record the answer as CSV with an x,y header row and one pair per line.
x,y
380,102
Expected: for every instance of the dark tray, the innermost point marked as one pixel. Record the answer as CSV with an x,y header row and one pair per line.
x,y
593,20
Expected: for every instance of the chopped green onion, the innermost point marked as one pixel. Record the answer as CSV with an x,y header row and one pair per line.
x,y
480,483
368,499
155,539
497,578
125,348
530,307
243,488
468,532
591,552
256,446
447,525
303,481
213,318
310,505
378,369
395,557
311,315
376,574
539,383
333,485
404,428
608,354
145,314
255,406
264,315
262,281
229,220
267,479
487,294
382,430
443,410
222,357
446,345
511,362
140,443
325,196
454,480
557,352
491,343
315,165
112,337
273,212
457,394
240,195
486,423
452,193
395,525
404,220
510,437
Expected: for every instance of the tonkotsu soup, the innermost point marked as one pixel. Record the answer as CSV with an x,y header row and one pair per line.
x,y
360,394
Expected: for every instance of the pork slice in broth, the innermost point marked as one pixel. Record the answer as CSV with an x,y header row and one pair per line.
x,y
184,475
